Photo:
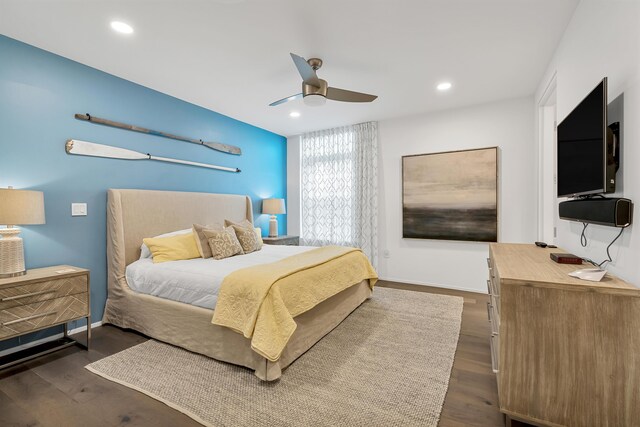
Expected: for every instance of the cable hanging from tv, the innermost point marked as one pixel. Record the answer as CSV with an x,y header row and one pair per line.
x,y
583,242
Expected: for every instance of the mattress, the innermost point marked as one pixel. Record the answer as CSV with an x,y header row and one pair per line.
x,y
197,281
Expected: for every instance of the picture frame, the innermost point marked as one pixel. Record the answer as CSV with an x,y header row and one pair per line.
x,y
451,195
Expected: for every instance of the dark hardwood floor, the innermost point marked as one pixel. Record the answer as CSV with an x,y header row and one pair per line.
x,y
56,390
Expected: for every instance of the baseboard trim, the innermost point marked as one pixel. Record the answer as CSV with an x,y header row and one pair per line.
x,y
415,282
43,340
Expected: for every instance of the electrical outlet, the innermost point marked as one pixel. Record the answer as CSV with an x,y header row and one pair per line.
x,y
78,209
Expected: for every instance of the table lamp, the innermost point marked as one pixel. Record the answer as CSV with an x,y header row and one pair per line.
x,y
21,207
273,207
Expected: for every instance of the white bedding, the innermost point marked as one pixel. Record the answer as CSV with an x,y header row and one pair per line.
x,y
197,281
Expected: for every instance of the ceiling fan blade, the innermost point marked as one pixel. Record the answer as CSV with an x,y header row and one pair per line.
x,y
348,96
287,99
306,71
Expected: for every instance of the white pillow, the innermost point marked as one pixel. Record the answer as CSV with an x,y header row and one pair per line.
x,y
144,249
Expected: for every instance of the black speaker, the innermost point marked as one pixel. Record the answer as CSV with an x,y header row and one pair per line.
x,y
615,212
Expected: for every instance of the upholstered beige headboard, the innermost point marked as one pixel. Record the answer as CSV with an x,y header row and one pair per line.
x,y
133,215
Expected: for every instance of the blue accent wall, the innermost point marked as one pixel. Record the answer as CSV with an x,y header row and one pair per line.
x,y
39,94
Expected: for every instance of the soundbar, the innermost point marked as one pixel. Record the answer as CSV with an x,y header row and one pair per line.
x,y
614,212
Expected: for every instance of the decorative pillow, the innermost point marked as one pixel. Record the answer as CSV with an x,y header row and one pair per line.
x,y
144,249
174,248
247,235
201,240
259,234
243,223
223,243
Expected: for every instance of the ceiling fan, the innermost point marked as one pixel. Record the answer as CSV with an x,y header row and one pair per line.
x,y
316,91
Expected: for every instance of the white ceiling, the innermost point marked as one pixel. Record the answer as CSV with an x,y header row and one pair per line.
x,y
232,56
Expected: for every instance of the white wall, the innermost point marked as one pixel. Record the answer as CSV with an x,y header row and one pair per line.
x,y
461,265
603,39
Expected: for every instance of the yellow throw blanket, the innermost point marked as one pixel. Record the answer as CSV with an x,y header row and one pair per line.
x,y
260,302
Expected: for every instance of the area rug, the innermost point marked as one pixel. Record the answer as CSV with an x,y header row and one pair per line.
x,y
387,364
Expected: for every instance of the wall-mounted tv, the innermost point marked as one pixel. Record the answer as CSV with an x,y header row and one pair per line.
x,y
587,148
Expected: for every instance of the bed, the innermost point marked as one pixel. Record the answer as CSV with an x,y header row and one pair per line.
x,y
135,214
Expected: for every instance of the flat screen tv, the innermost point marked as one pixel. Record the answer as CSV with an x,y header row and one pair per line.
x,y
587,149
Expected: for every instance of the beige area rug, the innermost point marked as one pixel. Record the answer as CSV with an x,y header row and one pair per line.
x,y
387,364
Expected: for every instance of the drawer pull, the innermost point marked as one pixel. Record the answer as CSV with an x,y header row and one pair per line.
x,y
493,289
489,262
32,294
489,287
489,311
35,316
494,355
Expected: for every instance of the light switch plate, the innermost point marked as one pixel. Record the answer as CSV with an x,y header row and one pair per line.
x,y
78,209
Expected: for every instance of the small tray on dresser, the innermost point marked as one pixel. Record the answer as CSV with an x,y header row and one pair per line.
x,y
282,240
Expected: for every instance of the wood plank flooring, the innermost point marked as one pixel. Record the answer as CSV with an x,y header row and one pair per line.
x,y
56,390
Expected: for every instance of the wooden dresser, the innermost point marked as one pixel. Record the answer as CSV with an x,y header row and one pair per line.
x,y
43,298
566,351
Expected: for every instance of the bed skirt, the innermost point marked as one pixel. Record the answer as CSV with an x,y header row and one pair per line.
x,y
190,327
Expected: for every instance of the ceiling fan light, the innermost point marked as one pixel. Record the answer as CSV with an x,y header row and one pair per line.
x,y
314,100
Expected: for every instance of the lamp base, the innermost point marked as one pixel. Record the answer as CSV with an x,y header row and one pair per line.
x,y
8,275
273,226
11,253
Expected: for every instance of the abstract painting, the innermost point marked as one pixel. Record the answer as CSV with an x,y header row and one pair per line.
x,y
451,195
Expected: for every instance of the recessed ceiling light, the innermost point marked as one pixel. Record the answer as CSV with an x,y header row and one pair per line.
x,y
121,27
444,86
294,114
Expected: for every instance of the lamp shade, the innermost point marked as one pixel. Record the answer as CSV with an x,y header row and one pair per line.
x,y
21,207
273,206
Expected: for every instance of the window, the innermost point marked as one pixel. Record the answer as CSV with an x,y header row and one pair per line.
x,y
338,186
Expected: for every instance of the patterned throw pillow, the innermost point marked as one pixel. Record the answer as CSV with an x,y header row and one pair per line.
x,y
246,235
223,243
201,239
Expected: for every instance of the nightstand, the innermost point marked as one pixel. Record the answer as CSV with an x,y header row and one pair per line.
x,y
282,240
41,299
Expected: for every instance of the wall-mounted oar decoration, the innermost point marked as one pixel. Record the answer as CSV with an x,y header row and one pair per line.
x,y
225,148
84,148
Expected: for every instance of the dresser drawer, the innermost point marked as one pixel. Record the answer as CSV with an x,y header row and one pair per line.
x,y
30,317
41,291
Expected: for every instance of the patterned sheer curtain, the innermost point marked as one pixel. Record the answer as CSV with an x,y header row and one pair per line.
x,y
339,191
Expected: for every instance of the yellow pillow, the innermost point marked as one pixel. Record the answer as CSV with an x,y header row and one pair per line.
x,y
174,248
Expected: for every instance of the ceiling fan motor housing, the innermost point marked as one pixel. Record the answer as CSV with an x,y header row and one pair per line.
x,y
308,89
313,95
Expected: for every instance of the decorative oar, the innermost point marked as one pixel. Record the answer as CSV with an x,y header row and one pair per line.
x,y
84,148
225,148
